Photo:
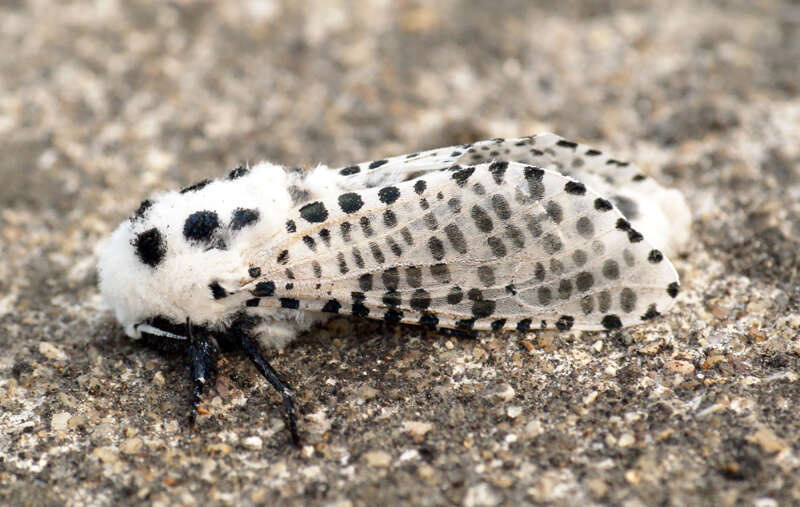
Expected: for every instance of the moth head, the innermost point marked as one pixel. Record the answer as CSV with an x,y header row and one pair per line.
x,y
181,256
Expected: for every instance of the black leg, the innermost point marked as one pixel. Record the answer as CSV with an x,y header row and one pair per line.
x,y
202,352
255,355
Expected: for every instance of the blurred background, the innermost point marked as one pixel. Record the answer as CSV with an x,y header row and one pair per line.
x,y
103,102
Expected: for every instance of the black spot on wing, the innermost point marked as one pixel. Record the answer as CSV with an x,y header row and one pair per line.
x,y
420,300
483,309
534,176
501,207
545,295
391,298
366,226
290,303
194,188
585,227
482,220
391,278
611,322
350,202
365,282
264,289
332,306
579,257
651,312
461,176
672,289
551,243
388,195
575,188
413,276
497,325
429,320
455,295
389,218
601,204
554,211
655,256
465,323
325,236
283,257
440,273
627,300
611,269
584,281
314,212
565,322
456,238
486,275
436,248
393,316
310,243
238,172
498,171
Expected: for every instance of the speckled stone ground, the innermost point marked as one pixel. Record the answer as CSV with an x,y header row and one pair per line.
x,y
103,102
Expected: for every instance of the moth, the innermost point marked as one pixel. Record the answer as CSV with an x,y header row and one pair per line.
x,y
504,234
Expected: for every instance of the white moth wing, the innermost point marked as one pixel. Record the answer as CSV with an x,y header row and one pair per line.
x,y
493,246
662,214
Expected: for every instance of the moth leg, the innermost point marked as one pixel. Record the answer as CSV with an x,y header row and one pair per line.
x,y
254,353
202,354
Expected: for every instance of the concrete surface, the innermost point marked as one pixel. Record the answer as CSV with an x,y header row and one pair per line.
x,y
103,102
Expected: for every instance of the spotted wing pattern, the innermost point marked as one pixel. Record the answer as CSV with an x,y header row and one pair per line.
x,y
546,150
660,213
488,246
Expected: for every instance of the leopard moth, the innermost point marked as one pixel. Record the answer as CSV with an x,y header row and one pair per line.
x,y
503,234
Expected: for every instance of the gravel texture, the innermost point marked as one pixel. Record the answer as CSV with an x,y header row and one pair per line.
x,y
103,102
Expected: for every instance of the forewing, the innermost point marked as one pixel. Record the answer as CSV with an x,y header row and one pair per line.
x,y
661,213
545,150
491,246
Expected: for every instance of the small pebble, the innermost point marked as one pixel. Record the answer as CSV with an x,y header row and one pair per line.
x,y
678,366
60,421
514,411
131,445
626,440
505,392
768,440
253,443
106,454
417,429
378,459
52,352
219,448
